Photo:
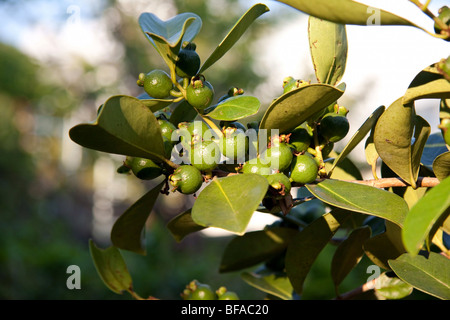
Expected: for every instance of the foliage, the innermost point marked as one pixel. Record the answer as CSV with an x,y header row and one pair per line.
x,y
376,219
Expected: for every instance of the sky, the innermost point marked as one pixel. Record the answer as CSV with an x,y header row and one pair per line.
x,y
381,63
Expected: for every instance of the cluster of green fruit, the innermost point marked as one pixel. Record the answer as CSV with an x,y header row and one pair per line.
x,y
201,291
296,156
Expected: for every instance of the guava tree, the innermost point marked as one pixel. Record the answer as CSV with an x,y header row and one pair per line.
x,y
193,140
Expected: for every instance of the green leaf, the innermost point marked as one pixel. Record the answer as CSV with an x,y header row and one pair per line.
x,y
296,106
235,108
348,254
229,203
235,34
441,166
124,126
345,169
156,104
168,36
428,84
392,138
328,46
424,214
359,135
111,268
183,112
428,274
255,247
271,283
392,287
127,231
361,198
306,245
348,12
182,225
434,147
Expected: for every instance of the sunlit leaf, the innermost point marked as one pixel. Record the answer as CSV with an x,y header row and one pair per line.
x,y
441,165
229,203
124,126
361,198
235,34
235,108
328,46
424,214
429,274
296,106
271,283
182,225
392,287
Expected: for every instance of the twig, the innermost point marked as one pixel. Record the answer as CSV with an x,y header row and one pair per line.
x,y
397,182
364,288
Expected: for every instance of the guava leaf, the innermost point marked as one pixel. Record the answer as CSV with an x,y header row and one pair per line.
x,y
392,288
182,225
168,36
328,46
348,254
359,135
255,247
271,283
361,198
235,34
306,245
441,166
111,268
183,112
424,214
127,231
229,203
428,84
124,126
296,106
428,274
348,12
235,108
392,138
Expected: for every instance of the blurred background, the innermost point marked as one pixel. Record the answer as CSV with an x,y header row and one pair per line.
x,y
60,60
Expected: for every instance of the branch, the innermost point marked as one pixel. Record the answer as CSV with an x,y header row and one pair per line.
x,y
398,182
364,288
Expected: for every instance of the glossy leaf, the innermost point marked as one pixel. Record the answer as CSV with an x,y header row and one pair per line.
x,y
441,166
229,203
428,84
296,106
182,225
127,231
361,198
434,147
124,126
168,36
183,112
273,284
255,247
328,46
428,274
392,288
156,104
111,268
392,138
235,108
359,135
348,12
235,34
424,214
304,248
348,254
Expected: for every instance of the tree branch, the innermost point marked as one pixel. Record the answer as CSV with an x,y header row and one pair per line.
x,y
397,182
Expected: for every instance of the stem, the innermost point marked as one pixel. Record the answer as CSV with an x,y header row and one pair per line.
x,y
212,125
424,8
364,288
397,182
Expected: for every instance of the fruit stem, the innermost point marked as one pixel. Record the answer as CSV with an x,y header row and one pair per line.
x,y
318,149
212,125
